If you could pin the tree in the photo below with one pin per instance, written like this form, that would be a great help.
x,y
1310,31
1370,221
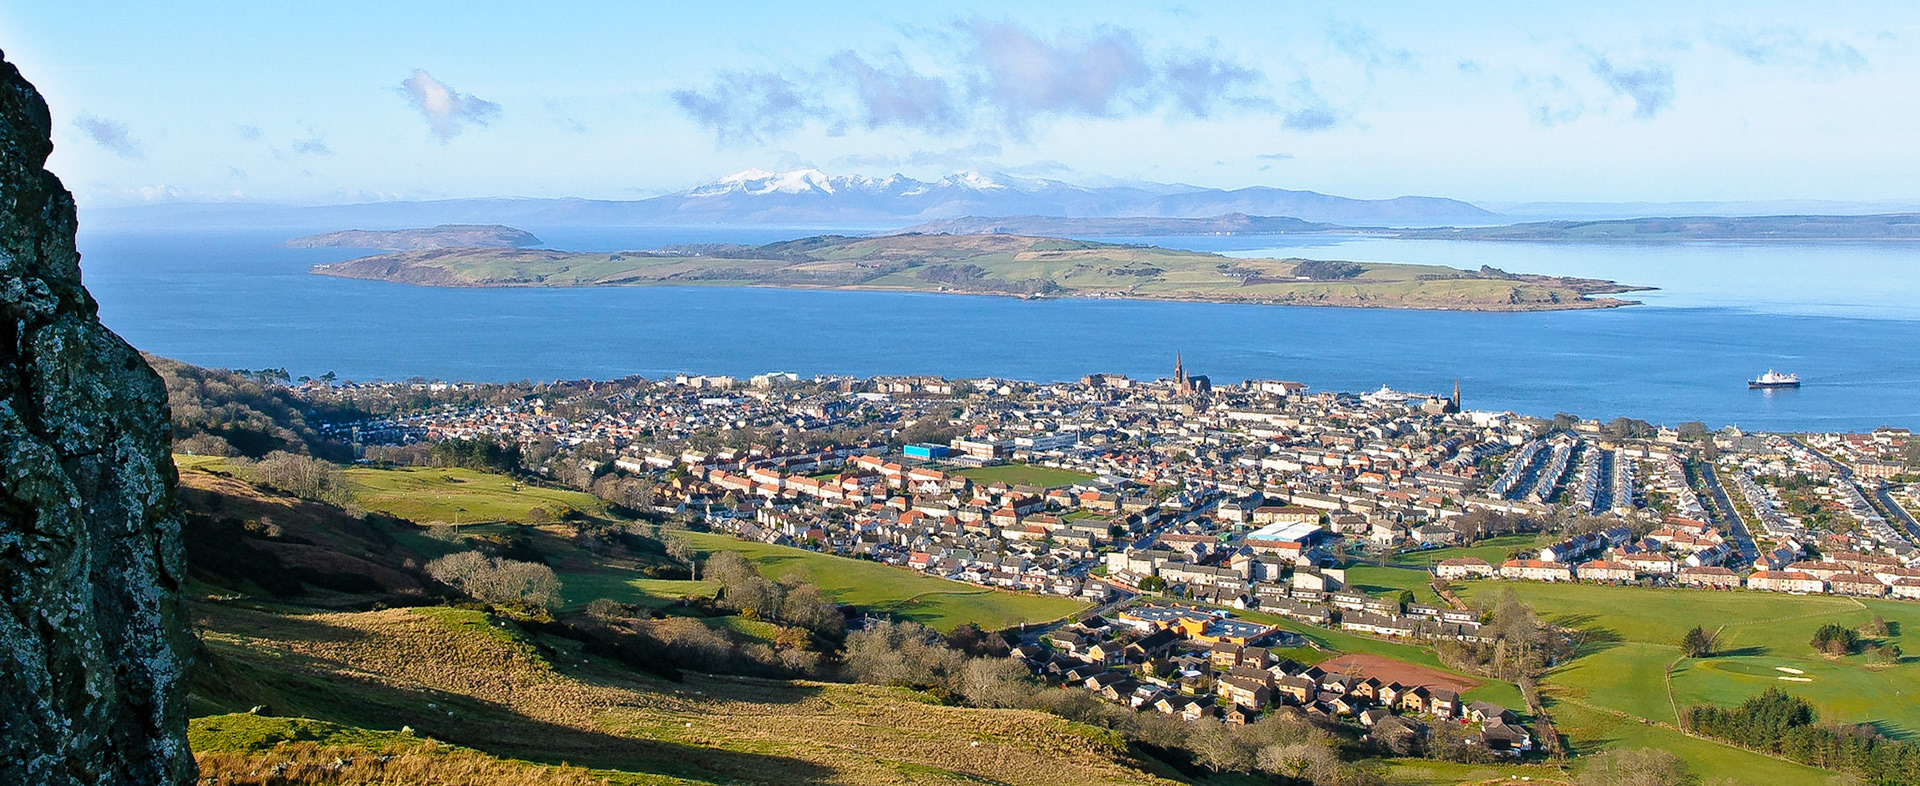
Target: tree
x,y
1153,584
1835,640
1636,767
1888,654
1698,643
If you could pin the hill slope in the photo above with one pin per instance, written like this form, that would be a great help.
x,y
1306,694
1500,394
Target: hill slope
x,y
462,677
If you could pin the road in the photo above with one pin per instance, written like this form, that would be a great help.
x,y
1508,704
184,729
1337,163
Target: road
x,y
1749,552
1900,514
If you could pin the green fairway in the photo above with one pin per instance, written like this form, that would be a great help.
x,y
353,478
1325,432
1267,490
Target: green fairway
x,y
426,495
1620,680
1592,731
1025,475
896,591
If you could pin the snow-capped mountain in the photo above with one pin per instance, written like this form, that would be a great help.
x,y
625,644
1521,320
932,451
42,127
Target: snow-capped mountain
x,y
812,198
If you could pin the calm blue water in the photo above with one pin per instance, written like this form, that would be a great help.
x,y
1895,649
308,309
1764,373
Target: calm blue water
x,y
1846,318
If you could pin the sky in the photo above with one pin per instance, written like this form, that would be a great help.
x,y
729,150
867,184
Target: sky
x,y
315,103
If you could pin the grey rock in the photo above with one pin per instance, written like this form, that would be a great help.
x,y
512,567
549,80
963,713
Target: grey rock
x,y
93,687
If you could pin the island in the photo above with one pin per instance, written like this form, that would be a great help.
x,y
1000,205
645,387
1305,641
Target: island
x,y
443,236
996,264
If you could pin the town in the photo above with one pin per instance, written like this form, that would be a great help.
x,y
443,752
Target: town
x,y
1187,512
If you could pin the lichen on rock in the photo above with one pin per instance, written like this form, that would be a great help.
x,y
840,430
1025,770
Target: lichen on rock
x,y
93,687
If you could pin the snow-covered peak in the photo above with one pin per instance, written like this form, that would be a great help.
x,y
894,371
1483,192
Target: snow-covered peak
x,y
760,181
971,180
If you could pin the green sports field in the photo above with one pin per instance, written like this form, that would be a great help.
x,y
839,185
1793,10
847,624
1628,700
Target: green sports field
x,y
1025,475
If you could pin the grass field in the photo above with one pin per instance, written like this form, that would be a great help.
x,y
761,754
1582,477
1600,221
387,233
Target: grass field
x,y
1493,550
1619,683
447,495
1390,581
896,591
1025,475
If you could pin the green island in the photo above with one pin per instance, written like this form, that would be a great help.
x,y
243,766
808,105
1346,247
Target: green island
x,y
995,264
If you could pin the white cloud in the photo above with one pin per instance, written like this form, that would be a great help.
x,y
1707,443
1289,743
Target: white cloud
x,y
446,110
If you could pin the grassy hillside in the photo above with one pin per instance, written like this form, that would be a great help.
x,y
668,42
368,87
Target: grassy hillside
x,y
454,495
460,677
996,265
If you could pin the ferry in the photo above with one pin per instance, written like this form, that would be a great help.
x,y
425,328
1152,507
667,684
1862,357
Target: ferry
x,y
1774,379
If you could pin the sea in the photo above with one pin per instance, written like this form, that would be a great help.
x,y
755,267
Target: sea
x,y
1844,316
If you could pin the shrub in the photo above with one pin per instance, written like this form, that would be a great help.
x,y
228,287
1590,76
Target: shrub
x,y
498,581
1636,767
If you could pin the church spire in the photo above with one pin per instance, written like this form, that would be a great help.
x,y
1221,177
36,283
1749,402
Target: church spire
x,y
1179,373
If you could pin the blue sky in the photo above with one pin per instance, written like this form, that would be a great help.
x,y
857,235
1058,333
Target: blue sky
x,y
1623,101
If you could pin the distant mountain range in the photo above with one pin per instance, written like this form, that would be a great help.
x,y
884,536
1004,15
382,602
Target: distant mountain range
x,y
810,198
1886,227
1053,226
1897,226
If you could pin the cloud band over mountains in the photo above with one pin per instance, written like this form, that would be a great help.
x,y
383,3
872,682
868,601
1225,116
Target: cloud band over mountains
x,y
1005,79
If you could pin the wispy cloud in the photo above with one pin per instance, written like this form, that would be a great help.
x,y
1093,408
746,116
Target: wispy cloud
x,y
1790,49
1308,110
746,106
1275,156
1550,101
1360,45
1650,85
311,146
963,157
446,110
110,134
1201,82
896,95
1024,75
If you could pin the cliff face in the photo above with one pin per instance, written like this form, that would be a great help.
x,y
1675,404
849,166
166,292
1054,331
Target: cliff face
x,y
92,688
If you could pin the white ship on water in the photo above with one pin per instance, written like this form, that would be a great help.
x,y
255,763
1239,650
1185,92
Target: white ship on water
x,y
1774,379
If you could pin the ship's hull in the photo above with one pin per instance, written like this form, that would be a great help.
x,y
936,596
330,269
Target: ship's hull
x,y
1758,385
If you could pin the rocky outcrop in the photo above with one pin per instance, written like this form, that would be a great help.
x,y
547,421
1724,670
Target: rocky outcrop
x,y
92,690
